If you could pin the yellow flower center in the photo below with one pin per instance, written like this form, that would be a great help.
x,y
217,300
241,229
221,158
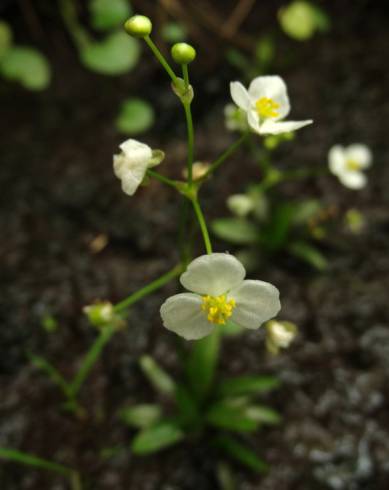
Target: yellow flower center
x,y
353,165
217,308
266,107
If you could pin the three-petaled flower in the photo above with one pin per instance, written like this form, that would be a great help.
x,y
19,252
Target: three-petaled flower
x,y
131,165
266,103
348,163
219,293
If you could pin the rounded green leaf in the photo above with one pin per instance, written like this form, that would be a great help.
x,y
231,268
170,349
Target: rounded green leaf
x,y
107,14
235,230
5,38
27,66
115,55
135,116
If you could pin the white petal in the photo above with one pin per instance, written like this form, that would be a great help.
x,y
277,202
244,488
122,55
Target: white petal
x,y
256,302
132,179
270,127
119,163
337,159
360,154
353,180
253,120
274,88
183,315
240,95
213,274
136,152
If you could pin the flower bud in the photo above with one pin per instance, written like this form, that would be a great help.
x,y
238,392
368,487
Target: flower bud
x,y
240,204
100,314
183,53
138,26
279,335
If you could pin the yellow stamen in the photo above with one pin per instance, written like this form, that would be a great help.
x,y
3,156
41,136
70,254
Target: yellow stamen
x,y
217,308
353,165
266,107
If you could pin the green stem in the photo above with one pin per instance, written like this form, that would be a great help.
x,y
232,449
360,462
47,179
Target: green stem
x,y
162,178
228,152
157,53
189,125
78,33
90,360
203,225
262,157
141,293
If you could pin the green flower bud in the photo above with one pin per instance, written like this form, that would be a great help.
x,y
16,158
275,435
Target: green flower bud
x,y
138,26
102,314
183,53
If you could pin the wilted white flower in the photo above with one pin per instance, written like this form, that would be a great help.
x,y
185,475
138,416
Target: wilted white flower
x,y
199,169
279,335
240,204
235,118
219,293
266,103
131,164
348,163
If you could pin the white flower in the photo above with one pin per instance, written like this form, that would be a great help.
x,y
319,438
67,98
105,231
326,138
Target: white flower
x,y
266,103
131,164
219,293
348,162
279,335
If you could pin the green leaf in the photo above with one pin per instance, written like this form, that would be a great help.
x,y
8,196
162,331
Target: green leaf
x,y
241,453
201,365
141,416
226,416
157,377
27,66
5,38
156,438
136,116
305,210
247,385
276,233
187,405
34,461
173,32
235,230
107,14
118,53
309,254
263,415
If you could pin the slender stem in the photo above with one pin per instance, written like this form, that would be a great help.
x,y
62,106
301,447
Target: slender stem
x,y
31,460
189,125
162,178
90,359
161,58
69,14
262,156
141,293
230,150
203,225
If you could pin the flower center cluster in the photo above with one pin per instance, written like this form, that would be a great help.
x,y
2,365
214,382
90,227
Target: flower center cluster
x,y
353,165
266,107
217,308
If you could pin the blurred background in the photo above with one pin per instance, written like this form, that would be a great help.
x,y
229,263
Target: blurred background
x,y
73,86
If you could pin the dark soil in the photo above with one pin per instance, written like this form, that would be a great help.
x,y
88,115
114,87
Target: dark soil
x,y
58,193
